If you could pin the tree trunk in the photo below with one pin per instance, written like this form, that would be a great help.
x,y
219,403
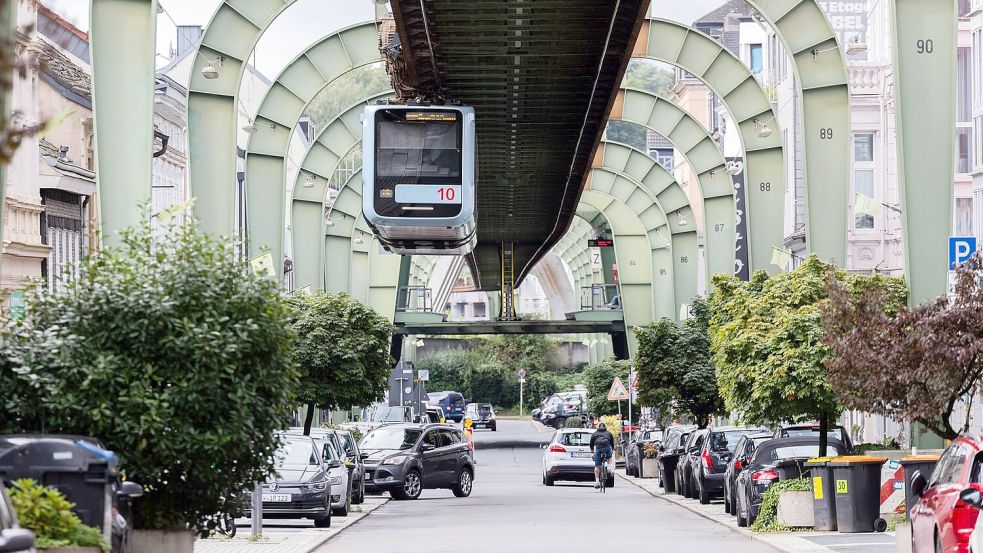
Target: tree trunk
x,y
823,433
309,419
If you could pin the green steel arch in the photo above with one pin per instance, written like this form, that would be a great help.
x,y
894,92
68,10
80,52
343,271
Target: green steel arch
x,y
278,115
229,39
692,139
320,161
742,95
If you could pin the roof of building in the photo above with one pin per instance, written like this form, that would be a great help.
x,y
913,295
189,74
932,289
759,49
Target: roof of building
x,y
64,71
733,6
654,140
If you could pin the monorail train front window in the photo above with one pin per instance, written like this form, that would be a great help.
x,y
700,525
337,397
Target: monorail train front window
x,y
418,163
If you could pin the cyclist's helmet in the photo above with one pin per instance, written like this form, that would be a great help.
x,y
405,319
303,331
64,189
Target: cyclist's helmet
x,y
601,427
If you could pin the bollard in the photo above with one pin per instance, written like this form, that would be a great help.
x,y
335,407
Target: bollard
x,y
257,499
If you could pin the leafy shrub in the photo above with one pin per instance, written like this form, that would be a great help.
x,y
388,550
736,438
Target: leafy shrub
x,y
47,513
767,520
173,354
573,422
613,426
650,450
599,377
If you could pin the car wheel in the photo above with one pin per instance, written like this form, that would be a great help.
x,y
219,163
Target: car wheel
x,y
733,504
465,481
609,483
704,495
494,427
558,423
412,487
360,498
547,480
726,501
322,522
741,519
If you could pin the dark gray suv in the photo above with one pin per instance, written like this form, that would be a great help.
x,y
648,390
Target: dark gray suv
x,y
403,459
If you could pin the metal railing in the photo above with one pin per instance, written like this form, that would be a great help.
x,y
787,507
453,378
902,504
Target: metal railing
x,y
598,297
414,299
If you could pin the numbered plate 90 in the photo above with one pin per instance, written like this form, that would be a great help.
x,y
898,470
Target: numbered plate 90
x,y
428,194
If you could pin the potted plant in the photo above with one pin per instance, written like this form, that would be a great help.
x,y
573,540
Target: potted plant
x,y
57,529
650,463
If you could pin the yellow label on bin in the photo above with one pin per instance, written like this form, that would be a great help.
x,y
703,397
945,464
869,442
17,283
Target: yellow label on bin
x,y
817,487
841,486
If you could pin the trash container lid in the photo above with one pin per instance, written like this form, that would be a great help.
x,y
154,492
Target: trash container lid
x,y
818,461
847,460
920,458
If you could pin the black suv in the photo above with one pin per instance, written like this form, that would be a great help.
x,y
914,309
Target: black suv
x,y
403,459
685,485
709,466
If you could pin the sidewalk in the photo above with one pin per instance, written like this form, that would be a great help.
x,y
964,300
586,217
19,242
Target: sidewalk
x,y
288,540
788,542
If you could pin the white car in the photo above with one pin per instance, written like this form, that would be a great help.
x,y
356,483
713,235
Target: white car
x,y
331,449
568,457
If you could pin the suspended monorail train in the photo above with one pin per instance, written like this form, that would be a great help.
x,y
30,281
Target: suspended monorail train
x,y
418,177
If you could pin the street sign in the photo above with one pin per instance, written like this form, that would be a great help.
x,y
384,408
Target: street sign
x,y
595,259
262,264
618,391
961,248
522,373
600,243
634,382
17,305
423,375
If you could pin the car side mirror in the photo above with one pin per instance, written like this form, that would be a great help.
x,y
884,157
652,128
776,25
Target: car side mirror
x,y
16,539
334,463
918,483
363,456
426,447
972,497
129,490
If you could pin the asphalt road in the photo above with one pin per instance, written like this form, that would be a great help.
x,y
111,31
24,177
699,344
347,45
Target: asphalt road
x,y
511,510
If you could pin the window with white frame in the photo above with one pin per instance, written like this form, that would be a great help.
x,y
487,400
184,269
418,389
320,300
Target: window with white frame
x,y
756,55
863,178
964,217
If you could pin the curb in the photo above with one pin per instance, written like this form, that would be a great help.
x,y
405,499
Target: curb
x,y
364,514
785,543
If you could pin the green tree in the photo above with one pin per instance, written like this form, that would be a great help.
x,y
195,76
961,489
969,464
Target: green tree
x,y
649,75
342,350
767,339
599,377
675,368
173,354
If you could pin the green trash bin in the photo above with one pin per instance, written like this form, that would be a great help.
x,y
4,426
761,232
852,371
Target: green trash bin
x,y
857,483
912,464
823,500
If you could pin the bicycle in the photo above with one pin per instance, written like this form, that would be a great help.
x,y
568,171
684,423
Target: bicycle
x,y
603,474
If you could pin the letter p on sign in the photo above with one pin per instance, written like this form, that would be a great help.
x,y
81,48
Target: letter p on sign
x,y
961,248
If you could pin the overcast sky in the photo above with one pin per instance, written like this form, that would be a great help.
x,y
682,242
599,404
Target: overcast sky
x,y
304,22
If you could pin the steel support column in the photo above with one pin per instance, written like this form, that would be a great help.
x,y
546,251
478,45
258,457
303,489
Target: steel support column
x,y
122,35
924,34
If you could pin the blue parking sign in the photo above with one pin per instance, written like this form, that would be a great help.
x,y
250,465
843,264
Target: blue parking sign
x,y
961,248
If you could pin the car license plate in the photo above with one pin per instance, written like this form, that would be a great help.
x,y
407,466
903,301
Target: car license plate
x,y
276,498
580,454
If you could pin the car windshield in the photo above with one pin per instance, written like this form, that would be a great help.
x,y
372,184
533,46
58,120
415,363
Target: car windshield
x,y
794,432
349,443
574,438
331,451
721,442
789,451
296,453
484,409
391,438
386,413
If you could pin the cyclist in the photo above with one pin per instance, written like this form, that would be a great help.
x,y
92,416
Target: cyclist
x,y
602,445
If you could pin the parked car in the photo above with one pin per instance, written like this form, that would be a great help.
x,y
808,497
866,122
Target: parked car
x,y
974,498
690,456
568,457
353,460
941,520
709,466
434,415
331,449
812,428
13,538
569,405
634,450
774,460
742,455
451,402
405,459
482,415
673,444
302,487
376,415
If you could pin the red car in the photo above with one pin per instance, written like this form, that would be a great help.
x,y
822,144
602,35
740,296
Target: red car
x,y
940,521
